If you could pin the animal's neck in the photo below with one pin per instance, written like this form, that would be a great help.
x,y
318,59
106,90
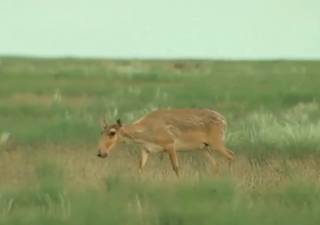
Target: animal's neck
x,y
128,130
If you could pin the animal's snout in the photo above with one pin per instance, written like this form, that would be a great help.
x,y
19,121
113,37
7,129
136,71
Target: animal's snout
x,y
104,155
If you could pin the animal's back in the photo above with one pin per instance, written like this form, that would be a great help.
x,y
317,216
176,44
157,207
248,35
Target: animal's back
x,y
185,119
187,128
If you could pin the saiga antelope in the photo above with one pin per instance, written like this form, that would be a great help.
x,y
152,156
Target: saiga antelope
x,y
170,130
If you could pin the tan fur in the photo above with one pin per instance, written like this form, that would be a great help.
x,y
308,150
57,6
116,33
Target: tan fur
x,y
172,130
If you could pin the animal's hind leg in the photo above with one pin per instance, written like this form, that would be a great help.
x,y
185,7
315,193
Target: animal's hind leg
x,y
230,153
143,159
213,162
219,147
226,153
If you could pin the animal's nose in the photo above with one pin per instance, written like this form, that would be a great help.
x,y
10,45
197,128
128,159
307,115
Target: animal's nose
x,y
104,155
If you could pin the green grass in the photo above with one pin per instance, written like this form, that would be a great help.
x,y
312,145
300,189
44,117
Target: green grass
x,y
50,111
270,106
123,200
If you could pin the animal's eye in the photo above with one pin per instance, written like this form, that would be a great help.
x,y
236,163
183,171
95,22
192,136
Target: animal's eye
x,y
112,133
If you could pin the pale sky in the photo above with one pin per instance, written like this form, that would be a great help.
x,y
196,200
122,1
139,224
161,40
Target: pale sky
x,y
237,29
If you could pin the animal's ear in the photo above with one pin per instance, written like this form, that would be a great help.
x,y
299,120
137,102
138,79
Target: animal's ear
x,y
104,123
119,122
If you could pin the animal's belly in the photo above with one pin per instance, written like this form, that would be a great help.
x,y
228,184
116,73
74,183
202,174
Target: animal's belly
x,y
179,145
152,148
185,145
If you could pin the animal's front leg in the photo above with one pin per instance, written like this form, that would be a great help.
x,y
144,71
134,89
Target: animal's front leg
x,y
143,159
173,158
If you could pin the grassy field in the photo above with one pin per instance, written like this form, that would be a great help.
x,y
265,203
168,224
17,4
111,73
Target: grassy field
x,y
50,111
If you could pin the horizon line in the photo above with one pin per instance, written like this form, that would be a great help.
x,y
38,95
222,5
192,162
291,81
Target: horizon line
x,y
155,58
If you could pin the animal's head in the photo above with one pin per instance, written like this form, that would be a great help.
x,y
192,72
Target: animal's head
x,y
109,138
